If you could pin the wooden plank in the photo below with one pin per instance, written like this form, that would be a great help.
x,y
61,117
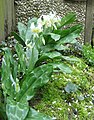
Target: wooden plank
x,y
1,20
9,13
7,17
13,16
89,21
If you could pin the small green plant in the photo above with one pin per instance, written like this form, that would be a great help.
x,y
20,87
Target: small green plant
x,y
36,56
88,54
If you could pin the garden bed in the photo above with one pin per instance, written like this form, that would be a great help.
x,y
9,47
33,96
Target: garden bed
x,y
53,99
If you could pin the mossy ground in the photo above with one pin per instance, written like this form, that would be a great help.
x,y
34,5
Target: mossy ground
x,y
54,101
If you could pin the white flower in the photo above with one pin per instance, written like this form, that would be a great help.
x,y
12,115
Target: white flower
x,y
36,29
54,18
49,20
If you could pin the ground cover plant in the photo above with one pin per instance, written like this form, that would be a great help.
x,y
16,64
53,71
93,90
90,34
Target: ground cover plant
x,y
88,54
68,96
37,54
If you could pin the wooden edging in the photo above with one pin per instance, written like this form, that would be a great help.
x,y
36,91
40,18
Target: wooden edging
x,y
89,21
7,17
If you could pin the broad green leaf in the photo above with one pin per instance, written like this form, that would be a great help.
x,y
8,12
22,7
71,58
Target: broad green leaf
x,y
73,33
32,57
47,48
55,37
69,18
22,30
37,78
71,38
61,47
34,115
70,87
18,38
21,57
50,55
2,112
31,20
62,67
9,73
28,36
70,58
74,29
53,54
16,110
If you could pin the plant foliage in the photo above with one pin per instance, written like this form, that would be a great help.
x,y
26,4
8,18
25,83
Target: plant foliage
x,y
36,56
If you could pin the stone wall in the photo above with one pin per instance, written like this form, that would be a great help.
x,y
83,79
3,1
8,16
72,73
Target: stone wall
x,y
26,9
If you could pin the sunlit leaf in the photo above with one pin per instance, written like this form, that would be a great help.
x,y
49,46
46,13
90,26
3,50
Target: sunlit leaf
x,y
37,78
34,115
16,110
62,67
22,30
56,37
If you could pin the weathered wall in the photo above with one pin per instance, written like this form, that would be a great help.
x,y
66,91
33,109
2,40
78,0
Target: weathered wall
x,y
26,9
1,20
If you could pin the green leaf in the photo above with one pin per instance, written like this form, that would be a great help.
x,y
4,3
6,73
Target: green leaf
x,y
32,57
21,56
69,18
70,58
47,48
61,47
32,20
18,38
9,73
62,67
71,38
28,36
70,87
34,115
16,110
53,54
37,78
50,55
74,29
22,30
55,37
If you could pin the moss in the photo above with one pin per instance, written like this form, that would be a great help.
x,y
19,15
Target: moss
x,y
56,102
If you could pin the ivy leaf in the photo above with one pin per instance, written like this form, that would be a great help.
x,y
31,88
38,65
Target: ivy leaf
x,y
70,87
80,97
